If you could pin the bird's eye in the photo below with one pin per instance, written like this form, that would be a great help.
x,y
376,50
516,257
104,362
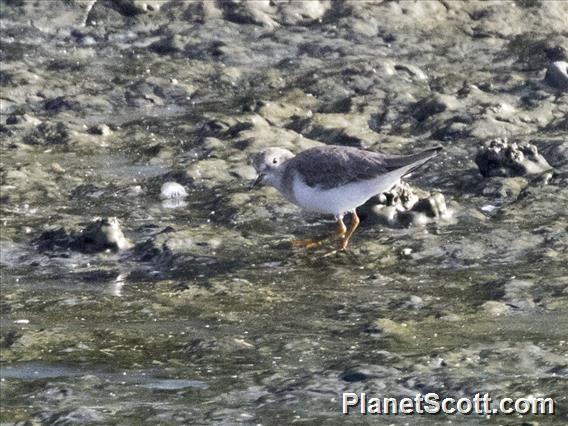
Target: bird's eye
x,y
274,161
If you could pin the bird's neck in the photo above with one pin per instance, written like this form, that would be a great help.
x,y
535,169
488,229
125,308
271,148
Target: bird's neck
x,y
276,178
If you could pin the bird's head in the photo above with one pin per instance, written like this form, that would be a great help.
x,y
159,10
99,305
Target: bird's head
x,y
268,164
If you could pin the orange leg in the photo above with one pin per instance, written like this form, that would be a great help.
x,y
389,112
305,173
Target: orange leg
x,y
354,224
345,233
310,244
342,228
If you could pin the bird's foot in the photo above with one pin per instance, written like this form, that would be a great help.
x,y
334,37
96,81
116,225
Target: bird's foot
x,y
307,244
342,247
331,253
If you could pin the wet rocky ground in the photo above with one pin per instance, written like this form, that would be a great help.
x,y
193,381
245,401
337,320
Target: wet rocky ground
x,y
142,281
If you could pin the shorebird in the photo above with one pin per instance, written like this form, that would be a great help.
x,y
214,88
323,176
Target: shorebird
x,y
334,180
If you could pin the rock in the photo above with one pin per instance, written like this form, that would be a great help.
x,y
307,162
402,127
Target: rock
x,y
23,120
105,233
434,105
496,308
557,75
352,376
142,93
196,11
130,8
72,416
281,113
134,191
518,294
53,239
168,45
258,12
59,104
210,172
488,125
12,119
504,188
171,190
100,130
453,130
198,247
57,168
302,13
48,134
504,296
498,157
372,374
211,144
556,152
148,5
173,195
100,235
425,210
414,302
388,327
415,72
405,206
334,129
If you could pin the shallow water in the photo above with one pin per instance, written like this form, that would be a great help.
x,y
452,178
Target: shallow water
x,y
212,317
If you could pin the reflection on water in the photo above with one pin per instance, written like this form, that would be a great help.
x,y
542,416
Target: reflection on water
x,y
146,379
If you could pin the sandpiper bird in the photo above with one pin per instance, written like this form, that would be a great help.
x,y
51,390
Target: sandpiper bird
x,y
334,180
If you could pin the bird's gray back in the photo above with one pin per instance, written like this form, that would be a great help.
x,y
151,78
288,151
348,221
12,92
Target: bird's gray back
x,y
331,166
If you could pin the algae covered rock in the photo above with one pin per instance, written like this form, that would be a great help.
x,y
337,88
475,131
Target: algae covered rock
x,y
48,134
557,75
498,157
406,206
98,236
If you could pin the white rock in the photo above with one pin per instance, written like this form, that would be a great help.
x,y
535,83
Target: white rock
x,y
488,208
171,190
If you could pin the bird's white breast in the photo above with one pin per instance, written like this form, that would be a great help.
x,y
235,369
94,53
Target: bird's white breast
x,y
337,201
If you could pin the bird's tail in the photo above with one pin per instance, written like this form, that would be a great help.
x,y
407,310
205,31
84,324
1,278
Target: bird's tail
x,y
408,163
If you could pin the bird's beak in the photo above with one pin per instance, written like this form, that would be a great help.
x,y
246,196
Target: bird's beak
x,y
258,180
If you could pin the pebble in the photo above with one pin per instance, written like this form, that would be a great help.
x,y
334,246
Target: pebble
x,y
172,190
488,208
57,168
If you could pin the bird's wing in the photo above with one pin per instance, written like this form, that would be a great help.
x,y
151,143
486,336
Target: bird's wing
x,y
331,166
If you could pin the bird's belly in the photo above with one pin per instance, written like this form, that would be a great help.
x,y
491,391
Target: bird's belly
x,y
338,201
